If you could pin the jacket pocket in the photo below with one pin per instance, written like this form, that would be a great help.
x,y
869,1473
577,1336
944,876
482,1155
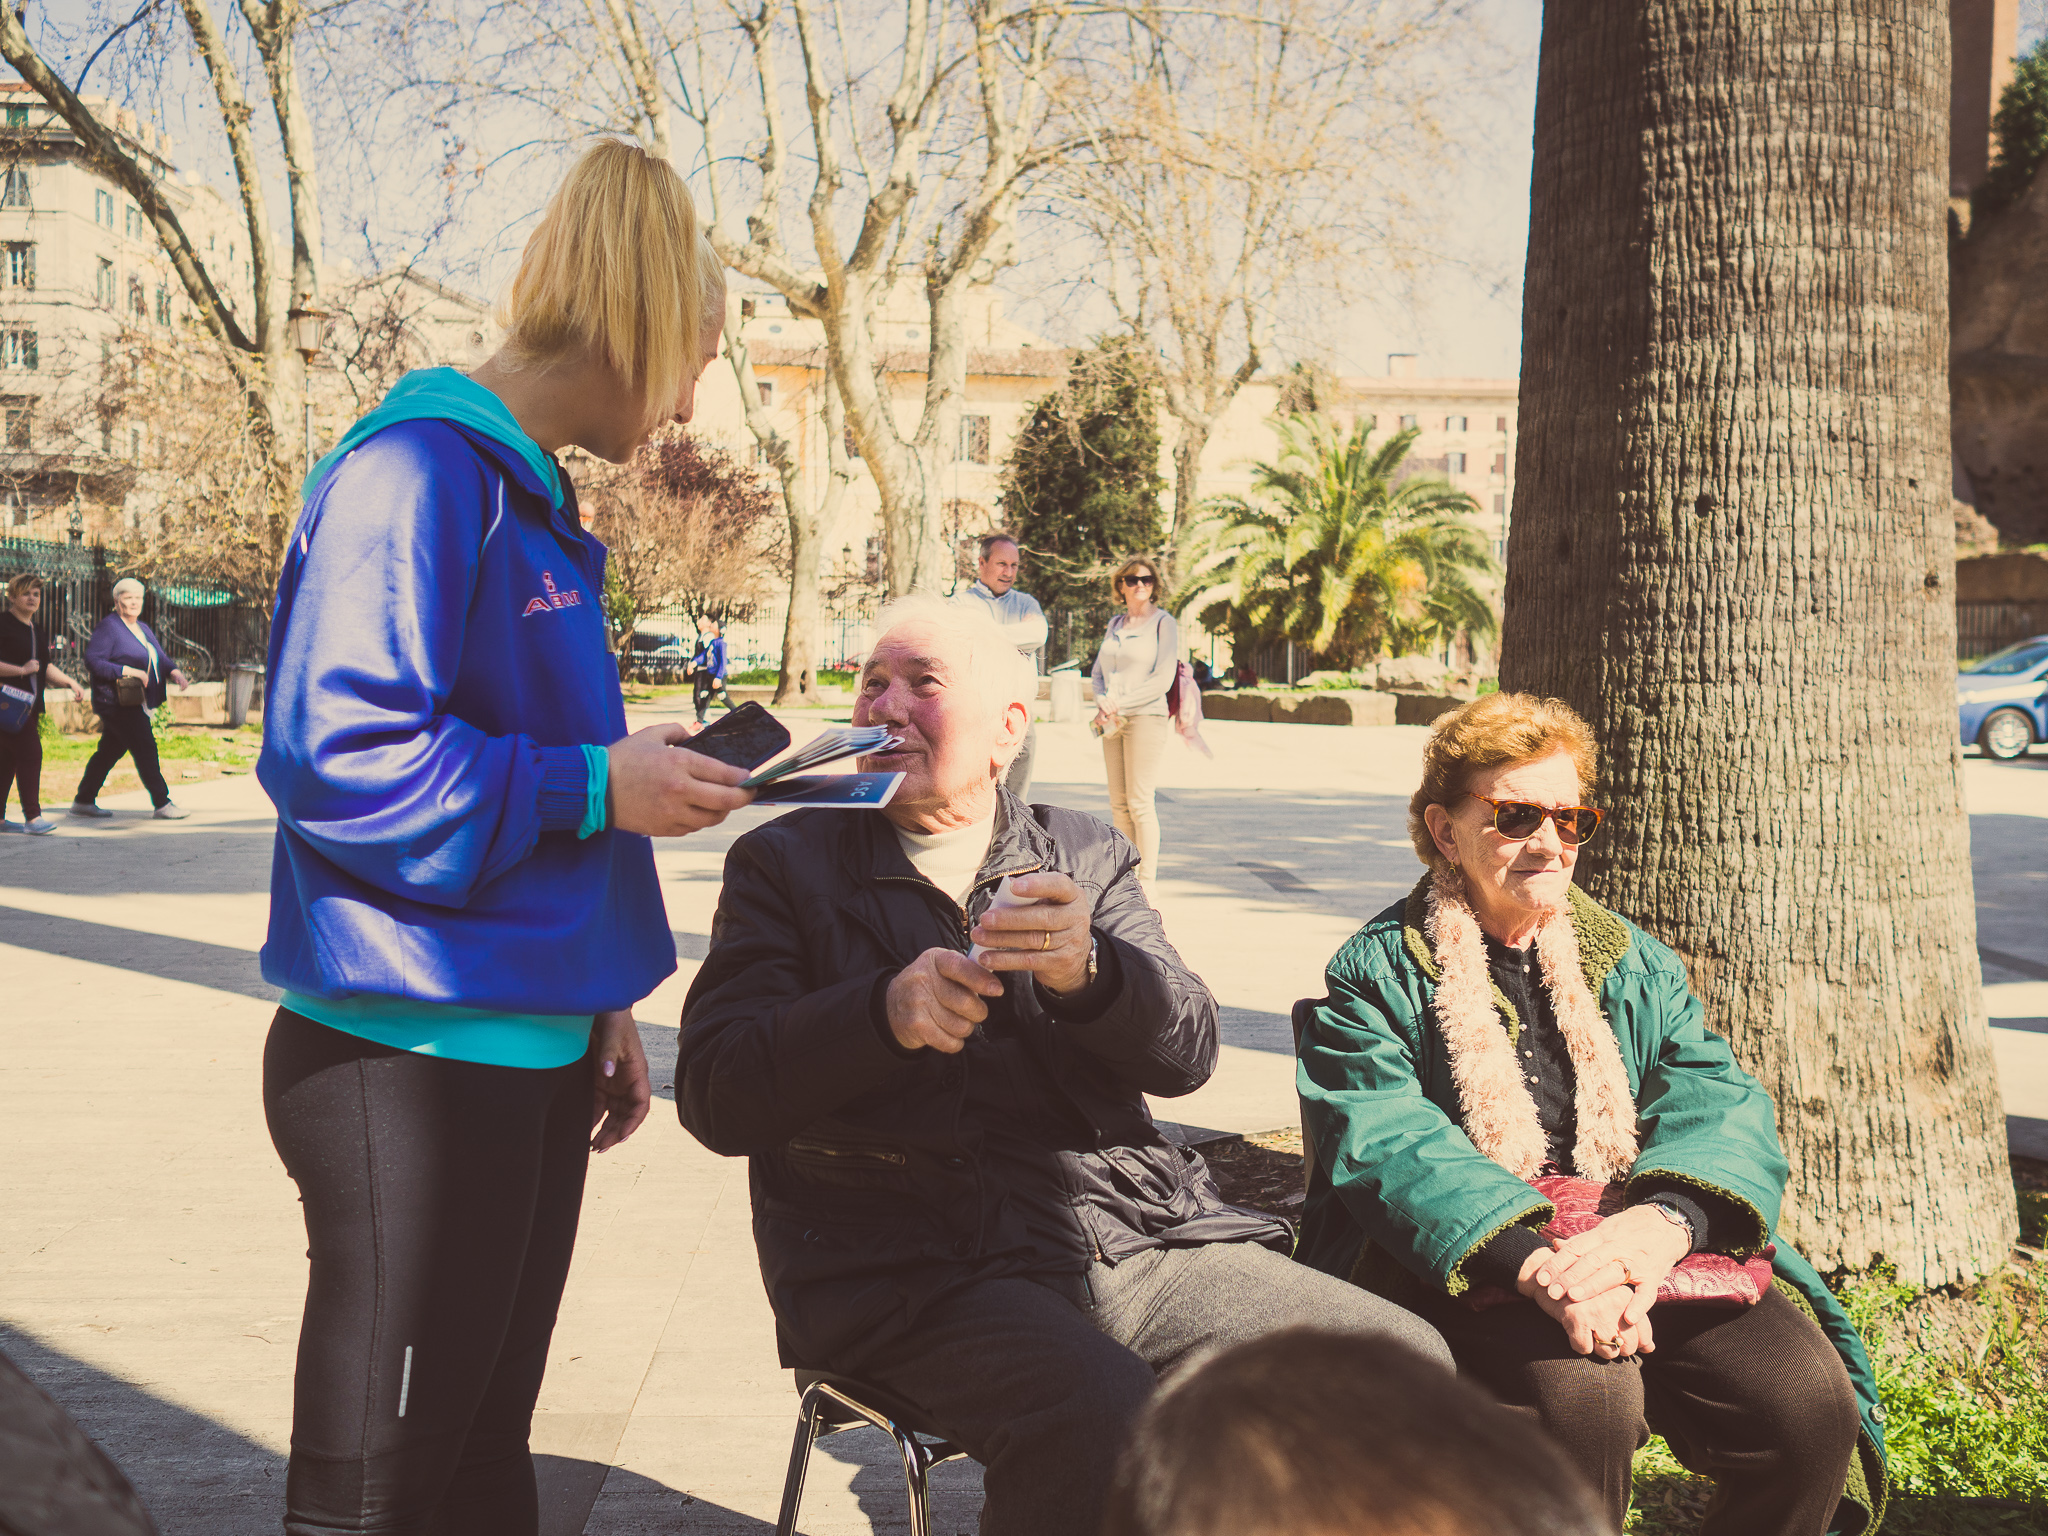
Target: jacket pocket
x,y
842,1164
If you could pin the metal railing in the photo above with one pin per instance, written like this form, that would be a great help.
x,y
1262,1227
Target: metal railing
x,y
1982,628
205,629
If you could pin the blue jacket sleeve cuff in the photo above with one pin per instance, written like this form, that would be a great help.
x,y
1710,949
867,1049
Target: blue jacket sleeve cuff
x,y
564,788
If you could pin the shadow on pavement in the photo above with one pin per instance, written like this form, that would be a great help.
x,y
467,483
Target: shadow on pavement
x,y
196,1477
219,966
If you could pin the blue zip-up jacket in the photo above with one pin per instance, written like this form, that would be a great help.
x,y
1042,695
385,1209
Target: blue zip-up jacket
x,y
710,657
437,661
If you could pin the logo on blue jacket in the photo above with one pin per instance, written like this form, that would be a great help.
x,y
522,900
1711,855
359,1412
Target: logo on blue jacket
x,y
554,599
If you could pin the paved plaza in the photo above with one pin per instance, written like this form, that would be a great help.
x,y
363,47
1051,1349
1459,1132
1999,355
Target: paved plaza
x,y
151,1253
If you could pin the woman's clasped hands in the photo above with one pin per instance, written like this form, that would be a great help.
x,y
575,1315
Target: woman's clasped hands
x,y
1601,1284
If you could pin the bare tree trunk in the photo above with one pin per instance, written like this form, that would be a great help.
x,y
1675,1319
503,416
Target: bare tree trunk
x,y
1733,553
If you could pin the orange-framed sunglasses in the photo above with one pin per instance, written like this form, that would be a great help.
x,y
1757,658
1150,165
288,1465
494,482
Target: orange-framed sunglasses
x,y
1517,820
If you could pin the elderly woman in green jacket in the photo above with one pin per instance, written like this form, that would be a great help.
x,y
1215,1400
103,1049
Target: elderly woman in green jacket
x,y
1498,1027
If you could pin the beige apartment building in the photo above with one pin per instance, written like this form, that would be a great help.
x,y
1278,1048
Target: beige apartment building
x,y
82,267
1466,426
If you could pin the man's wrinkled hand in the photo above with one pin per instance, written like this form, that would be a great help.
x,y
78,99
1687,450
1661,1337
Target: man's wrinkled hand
x,y
936,1001
1050,938
659,787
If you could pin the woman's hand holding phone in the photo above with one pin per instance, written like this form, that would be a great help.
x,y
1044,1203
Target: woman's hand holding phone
x,y
662,792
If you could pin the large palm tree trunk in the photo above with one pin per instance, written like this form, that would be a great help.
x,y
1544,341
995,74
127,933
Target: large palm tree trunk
x,y
1732,551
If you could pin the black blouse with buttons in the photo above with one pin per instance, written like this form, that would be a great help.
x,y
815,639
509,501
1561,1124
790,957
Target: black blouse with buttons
x,y
1546,1063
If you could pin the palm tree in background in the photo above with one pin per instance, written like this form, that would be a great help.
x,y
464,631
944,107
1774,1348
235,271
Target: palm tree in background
x,y
1339,553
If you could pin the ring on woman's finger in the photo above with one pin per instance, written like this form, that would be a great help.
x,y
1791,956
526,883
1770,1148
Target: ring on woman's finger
x,y
1045,939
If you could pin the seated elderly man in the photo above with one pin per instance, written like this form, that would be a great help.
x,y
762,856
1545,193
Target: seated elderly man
x,y
958,1193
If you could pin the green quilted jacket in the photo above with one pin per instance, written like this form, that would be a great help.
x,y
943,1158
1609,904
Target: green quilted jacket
x,y
1399,1198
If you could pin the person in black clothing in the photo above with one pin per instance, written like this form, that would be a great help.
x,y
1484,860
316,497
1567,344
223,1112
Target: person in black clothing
x,y
24,663
125,651
958,1193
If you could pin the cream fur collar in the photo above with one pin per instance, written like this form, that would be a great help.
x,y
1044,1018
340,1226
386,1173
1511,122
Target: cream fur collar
x,y
1499,1111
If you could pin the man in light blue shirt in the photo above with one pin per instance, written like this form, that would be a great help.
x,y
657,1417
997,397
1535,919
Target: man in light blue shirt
x,y
1023,622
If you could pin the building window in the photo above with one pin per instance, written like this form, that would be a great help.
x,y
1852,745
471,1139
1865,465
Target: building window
x,y
767,388
1500,507
17,117
1454,463
163,304
103,284
103,207
1500,463
18,349
138,297
1407,423
21,266
135,445
20,412
16,193
852,448
1500,423
974,439
107,438
17,514
1454,423
132,220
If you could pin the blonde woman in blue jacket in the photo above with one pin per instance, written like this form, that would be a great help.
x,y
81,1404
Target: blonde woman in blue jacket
x,y
464,906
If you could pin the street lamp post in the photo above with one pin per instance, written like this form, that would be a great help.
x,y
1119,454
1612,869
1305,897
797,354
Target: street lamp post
x,y
309,325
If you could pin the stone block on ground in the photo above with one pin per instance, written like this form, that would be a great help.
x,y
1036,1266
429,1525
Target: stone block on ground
x,y
1412,674
1423,708
201,704
1336,706
1237,706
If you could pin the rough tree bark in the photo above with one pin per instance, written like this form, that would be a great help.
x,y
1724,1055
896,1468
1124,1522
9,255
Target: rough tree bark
x,y
1732,552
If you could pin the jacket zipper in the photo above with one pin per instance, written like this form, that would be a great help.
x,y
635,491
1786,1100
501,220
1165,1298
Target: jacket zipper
x,y
848,1154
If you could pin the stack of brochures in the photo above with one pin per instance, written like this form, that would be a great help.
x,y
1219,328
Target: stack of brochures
x,y
787,783
826,747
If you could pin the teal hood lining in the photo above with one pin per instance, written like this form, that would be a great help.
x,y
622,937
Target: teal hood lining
x,y
447,394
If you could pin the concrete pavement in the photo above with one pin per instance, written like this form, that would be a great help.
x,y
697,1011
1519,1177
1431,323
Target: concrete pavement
x,y
153,1256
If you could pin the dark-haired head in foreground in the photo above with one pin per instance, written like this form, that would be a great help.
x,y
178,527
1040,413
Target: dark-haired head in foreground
x,y
1309,1433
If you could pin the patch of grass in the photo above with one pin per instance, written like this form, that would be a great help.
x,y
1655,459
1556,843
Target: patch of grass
x,y
766,677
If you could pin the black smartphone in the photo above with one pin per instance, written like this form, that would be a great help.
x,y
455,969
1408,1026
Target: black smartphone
x,y
745,737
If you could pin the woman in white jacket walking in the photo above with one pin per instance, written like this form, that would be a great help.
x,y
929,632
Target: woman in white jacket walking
x,y
1133,671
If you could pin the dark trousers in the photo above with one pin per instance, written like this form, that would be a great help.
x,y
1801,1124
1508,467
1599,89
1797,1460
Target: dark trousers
x,y
441,1200
703,689
126,730
1040,1382
1755,1398
21,765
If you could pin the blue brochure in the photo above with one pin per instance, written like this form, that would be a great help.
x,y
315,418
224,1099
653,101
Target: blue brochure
x,y
871,790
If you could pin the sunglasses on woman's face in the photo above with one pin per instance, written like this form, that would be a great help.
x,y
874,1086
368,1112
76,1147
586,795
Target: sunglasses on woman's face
x,y
1517,820
1138,581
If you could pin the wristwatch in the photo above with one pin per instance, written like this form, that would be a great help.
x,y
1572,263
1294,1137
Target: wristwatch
x,y
1676,1217
1094,954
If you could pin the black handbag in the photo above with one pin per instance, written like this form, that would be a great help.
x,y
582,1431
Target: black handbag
x,y
129,690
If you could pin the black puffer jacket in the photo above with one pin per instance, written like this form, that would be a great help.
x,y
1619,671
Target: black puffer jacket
x,y
884,1178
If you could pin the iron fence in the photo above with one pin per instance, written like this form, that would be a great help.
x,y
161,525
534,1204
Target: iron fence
x,y
205,629
1982,628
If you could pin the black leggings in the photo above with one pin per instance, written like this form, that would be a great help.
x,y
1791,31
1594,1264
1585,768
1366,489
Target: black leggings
x,y
441,1200
127,729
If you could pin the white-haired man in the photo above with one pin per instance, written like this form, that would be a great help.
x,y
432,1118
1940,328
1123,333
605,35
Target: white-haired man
x,y
995,593
959,1195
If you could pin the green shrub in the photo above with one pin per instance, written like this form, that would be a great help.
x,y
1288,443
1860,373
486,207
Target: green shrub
x,y
2020,131
1960,1421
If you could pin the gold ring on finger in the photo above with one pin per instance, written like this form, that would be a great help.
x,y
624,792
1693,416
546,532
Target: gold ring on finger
x,y
1045,938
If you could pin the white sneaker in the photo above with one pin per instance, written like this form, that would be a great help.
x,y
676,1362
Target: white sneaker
x,y
11,826
90,811
40,826
169,811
